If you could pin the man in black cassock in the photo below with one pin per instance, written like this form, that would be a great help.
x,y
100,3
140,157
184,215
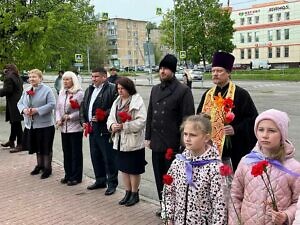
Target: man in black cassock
x,y
240,130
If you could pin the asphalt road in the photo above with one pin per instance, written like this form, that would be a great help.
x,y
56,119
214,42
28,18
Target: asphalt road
x,y
284,96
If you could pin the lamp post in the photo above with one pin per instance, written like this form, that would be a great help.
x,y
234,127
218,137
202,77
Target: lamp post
x,y
148,27
174,27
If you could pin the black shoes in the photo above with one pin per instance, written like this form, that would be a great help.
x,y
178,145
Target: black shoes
x,y
63,181
134,198
73,182
46,173
36,170
17,149
158,213
110,191
96,186
126,198
10,144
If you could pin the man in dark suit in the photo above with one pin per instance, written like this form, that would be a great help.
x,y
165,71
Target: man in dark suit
x,y
170,102
94,110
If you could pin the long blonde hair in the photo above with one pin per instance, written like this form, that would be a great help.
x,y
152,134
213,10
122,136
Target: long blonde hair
x,y
76,84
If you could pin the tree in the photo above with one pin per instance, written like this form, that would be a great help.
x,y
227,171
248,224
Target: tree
x,y
98,50
44,33
202,27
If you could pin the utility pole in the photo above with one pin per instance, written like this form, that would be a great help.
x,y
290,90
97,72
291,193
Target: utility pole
x,y
148,27
88,58
174,27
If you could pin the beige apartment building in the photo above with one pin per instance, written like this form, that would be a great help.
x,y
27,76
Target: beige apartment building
x,y
268,31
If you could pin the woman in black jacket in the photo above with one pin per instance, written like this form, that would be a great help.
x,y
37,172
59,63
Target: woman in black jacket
x,y
12,90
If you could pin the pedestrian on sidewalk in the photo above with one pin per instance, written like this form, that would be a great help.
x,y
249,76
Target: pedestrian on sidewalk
x,y
37,104
12,90
57,83
195,196
113,75
68,121
170,102
127,121
95,108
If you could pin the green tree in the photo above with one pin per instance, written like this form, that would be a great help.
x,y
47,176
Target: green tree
x,y
202,27
44,33
98,50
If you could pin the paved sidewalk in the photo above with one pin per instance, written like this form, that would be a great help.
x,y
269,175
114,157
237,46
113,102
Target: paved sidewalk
x,y
26,199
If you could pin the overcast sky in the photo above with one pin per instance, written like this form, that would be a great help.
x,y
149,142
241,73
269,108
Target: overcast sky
x,y
145,9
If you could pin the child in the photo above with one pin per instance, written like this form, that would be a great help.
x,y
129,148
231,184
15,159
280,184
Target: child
x,y
195,196
249,193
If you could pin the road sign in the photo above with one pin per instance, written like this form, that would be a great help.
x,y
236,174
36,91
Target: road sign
x,y
182,54
78,64
104,16
158,11
78,58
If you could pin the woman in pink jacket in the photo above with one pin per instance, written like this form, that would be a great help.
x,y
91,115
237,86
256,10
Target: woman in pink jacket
x,y
250,196
67,119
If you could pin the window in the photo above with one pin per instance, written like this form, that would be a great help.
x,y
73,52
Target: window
x,y
242,38
129,34
111,32
249,37
129,43
286,34
286,51
256,19
249,19
287,15
242,53
278,52
242,21
257,53
270,53
129,52
270,35
256,36
278,35
136,62
278,16
130,62
249,53
270,17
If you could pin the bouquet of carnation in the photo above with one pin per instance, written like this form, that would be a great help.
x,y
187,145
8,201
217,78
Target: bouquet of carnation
x,y
100,114
124,116
73,103
259,169
88,129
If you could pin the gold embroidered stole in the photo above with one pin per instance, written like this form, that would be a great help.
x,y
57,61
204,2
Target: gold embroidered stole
x,y
217,115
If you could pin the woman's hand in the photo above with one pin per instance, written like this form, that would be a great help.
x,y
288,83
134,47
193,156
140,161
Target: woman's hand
x,y
59,123
279,218
66,117
116,127
33,111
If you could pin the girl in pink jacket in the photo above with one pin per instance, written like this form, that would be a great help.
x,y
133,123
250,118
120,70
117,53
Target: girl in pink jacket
x,y
250,196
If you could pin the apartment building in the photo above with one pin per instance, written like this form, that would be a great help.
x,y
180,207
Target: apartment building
x,y
268,31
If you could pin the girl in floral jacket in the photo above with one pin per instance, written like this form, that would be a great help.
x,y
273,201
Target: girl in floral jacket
x,y
251,198
195,195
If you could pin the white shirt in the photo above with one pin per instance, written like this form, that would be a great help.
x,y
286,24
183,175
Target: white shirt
x,y
93,98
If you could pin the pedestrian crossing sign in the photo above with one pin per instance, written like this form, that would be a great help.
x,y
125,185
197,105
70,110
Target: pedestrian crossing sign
x,y
78,58
182,54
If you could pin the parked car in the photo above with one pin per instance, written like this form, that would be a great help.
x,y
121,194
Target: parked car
x,y
24,76
197,74
260,64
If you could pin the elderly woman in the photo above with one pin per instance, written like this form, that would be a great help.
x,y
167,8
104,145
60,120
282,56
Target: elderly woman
x,y
67,118
126,121
36,104
12,90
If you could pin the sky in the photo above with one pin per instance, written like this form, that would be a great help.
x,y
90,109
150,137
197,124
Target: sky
x,y
145,9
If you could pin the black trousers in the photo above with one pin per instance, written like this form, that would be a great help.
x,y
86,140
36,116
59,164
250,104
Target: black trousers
x,y
103,159
73,160
160,168
16,132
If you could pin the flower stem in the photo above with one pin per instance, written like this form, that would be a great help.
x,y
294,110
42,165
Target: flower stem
x,y
274,205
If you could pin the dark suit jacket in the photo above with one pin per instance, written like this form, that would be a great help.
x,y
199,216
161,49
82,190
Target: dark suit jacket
x,y
168,106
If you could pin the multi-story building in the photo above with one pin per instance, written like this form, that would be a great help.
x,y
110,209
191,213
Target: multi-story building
x,y
268,31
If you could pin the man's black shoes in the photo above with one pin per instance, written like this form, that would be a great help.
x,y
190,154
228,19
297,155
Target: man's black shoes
x,y
96,186
110,191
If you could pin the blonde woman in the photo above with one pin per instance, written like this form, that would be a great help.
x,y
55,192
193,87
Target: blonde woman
x,y
67,119
36,104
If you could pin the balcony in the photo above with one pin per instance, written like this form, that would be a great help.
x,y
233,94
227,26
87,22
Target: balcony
x,y
115,56
112,37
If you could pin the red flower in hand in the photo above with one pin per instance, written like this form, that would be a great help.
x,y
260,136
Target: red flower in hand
x,y
30,92
169,154
88,129
74,104
229,117
124,116
259,168
100,114
228,104
225,170
167,179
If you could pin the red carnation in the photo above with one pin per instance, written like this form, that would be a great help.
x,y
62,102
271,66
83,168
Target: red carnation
x,y
228,104
30,92
229,117
225,170
259,168
100,114
167,179
169,154
74,104
88,129
124,116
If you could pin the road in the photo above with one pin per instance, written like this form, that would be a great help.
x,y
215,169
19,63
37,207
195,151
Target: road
x,y
284,96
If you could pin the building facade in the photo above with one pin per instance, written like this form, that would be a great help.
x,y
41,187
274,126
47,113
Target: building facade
x,y
269,31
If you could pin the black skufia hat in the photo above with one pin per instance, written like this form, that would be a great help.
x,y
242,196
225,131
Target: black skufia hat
x,y
223,59
170,62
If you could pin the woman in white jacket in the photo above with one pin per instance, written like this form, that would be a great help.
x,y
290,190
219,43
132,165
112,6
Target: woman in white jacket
x,y
126,121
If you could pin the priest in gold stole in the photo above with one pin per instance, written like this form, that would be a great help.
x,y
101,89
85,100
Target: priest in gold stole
x,y
236,138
